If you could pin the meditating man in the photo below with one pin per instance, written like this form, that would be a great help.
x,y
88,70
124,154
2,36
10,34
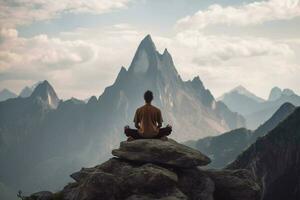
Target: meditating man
x,y
148,121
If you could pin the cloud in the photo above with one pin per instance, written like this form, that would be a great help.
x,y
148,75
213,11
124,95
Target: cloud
x,y
249,14
213,49
82,62
22,12
41,52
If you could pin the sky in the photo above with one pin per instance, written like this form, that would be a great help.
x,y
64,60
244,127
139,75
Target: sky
x,y
79,46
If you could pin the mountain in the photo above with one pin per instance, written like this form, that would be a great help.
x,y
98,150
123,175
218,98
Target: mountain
x,y
241,100
43,139
274,160
242,91
268,108
27,91
224,148
188,105
282,113
45,92
276,93
6,94
256,110
138,172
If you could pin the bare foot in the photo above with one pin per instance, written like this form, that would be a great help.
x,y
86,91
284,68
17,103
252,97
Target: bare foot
x,y
129,139
164,138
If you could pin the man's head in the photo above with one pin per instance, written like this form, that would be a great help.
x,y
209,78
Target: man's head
x,y
148,96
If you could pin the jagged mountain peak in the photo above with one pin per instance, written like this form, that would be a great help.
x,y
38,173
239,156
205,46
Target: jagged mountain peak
x,y
25,92
277,92
197,83
148,44
197,79
241,90
288,92
148,62
145,58
46,93
122,72
6,94
166,52
92,100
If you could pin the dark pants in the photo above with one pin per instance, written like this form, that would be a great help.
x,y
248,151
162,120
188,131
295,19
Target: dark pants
x,y
129,132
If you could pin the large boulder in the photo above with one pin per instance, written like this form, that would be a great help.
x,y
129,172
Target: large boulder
x,y
197,184
43,195
161,152
155,169
234,185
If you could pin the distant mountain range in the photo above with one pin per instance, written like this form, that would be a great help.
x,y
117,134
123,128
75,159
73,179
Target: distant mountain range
x,y
255,109
225,148
6,94
43,137
275,160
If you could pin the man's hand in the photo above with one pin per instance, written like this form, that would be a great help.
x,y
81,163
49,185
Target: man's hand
x,y
159,125
137,125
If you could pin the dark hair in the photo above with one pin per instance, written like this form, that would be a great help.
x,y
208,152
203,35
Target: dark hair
x,y
148,96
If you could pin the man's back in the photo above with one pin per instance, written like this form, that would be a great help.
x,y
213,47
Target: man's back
x,y
149,119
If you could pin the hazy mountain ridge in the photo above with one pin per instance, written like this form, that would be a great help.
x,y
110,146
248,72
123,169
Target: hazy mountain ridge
x,y
6,94
274,160
224,148
256,110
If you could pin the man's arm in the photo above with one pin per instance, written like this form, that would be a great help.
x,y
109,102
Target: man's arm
x,y
159,119
136,120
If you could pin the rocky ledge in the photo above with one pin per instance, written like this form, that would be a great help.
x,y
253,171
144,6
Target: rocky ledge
x,y
156,169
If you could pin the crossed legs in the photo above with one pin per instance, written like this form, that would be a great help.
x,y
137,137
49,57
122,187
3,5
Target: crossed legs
x,y
133,133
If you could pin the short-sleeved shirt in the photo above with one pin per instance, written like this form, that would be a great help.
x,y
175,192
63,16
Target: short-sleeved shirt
x,y
148,117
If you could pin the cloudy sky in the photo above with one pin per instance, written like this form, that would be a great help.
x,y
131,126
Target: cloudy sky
x,y
80,45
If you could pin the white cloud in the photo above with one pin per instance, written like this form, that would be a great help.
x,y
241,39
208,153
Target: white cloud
x,y
224,61
248,14
82,62
20,12
213,49
41,52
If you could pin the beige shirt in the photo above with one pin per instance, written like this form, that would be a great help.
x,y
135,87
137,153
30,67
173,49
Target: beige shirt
x,y
148,117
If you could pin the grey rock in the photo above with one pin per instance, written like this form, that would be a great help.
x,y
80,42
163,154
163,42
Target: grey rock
x,y
234,185
98,186
173,194
119,179
149,178
43,195
196,184
161,152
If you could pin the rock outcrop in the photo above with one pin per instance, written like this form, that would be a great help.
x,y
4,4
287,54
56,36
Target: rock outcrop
x,y
174,154
156,169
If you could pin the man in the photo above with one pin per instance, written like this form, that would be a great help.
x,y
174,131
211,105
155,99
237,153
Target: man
x,y
148,121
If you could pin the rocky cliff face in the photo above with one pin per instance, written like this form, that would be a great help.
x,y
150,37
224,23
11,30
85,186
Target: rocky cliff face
x,y
156,169
275,160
